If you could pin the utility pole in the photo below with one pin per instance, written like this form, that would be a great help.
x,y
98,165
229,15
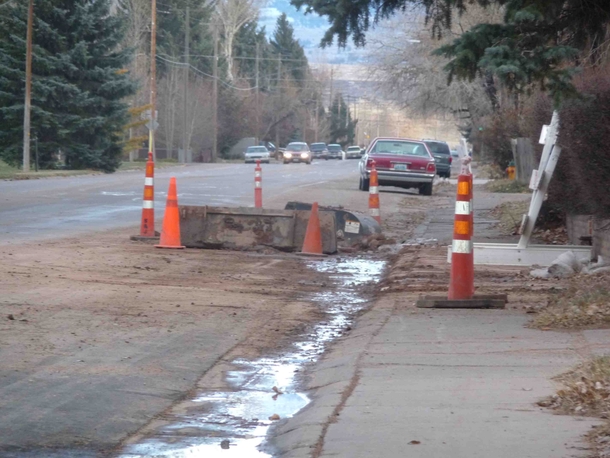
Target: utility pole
x,y
279,75
330,103
153,78
257,100
317,117
186,85
215,97
28,89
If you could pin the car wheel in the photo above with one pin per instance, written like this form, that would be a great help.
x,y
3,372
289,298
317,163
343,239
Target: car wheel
x,y
286,162
366,182
426,189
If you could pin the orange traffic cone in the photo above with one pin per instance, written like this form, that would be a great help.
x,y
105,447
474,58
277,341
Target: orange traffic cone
x,y
170,234
312,244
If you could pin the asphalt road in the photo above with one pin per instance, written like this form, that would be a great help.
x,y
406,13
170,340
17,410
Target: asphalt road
x,y
48,208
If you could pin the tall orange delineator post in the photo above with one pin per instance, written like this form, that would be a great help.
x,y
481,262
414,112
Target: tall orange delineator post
x,y
147,228
170,234
258,185
461,287
462,257
374,194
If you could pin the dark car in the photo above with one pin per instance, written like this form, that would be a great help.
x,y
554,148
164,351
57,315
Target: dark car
x,y
400,162
297,152
335,151
319,150
442,155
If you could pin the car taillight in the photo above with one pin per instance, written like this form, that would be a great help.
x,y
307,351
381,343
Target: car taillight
x,y
431,167
369,163
450,159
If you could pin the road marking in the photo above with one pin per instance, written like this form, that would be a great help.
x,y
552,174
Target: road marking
x,y
312,184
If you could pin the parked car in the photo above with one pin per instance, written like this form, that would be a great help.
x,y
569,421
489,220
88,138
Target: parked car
x,y
455,154
400,162
297,152
319,150
442,155
335,151
353,152
254,153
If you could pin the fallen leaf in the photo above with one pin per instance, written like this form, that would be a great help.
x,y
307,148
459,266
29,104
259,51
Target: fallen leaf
x,y
414,443
274,417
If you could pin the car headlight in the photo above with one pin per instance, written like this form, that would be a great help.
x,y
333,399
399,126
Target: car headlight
x,y
288,154
304,155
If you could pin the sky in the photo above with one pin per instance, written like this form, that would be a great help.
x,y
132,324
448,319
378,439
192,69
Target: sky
x,y
309,30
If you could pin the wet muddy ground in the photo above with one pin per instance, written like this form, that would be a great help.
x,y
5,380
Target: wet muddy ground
x,y
235,420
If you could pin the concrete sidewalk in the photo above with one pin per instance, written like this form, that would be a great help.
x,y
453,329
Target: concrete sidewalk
x,y
442,383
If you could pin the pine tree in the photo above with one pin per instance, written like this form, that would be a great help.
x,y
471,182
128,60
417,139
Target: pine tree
x,y
288,47
78,84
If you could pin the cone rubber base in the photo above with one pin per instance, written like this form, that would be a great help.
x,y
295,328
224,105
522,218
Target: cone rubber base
x,y
170,247
312,255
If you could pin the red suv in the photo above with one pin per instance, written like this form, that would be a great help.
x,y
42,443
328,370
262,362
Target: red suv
x,y
400,162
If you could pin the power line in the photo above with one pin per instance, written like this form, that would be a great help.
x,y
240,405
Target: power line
x,y
182,65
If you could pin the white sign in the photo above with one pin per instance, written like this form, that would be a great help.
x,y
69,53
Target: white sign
x,y
352,227
545,130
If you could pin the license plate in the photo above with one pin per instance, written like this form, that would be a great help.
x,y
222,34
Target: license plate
x,y
401,167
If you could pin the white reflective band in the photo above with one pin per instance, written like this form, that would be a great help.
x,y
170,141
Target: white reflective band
x,y
462,246
462,208
374,212
148,181
257,174
148,204
257,184
471,206
374,190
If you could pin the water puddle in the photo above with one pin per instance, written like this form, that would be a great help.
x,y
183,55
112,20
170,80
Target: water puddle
x,y
234,423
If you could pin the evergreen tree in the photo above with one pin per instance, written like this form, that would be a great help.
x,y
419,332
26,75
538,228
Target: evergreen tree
x,y
78,85
290,50
342,126
171,34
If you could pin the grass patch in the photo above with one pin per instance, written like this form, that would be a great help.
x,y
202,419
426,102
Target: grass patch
x,y
490,171
585,303
507,186
510,214
8,172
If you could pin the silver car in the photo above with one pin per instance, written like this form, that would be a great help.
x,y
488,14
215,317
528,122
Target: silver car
x,y
254,153
353,152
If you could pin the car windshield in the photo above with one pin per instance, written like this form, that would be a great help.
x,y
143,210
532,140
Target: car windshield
x,y
354,148
318,146
297,147
438,147
334,148
256,149
401,148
